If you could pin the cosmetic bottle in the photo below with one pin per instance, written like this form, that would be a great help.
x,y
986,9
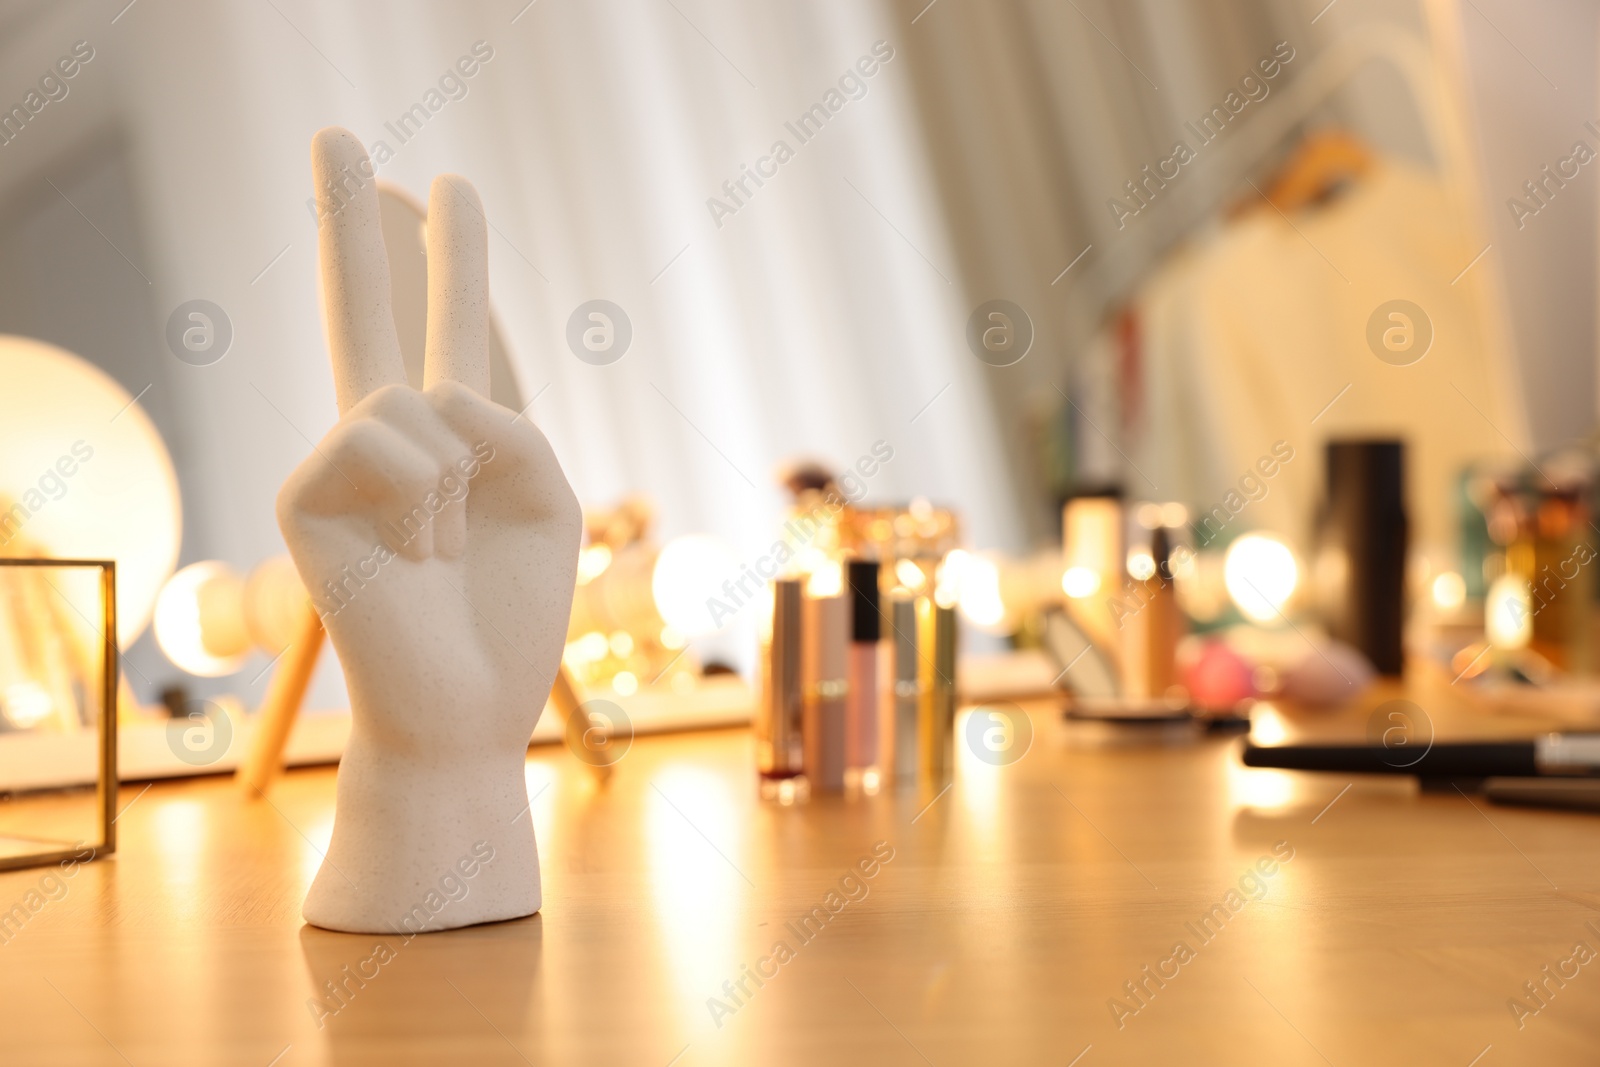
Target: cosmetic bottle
x,y
938,704
1362,548
1150,623
780,718
824,652
904,697
864,699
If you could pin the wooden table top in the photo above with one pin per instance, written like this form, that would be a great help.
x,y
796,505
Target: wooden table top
x,y
1003,923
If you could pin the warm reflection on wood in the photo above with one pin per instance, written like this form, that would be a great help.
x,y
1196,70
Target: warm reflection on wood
x,y
1005,924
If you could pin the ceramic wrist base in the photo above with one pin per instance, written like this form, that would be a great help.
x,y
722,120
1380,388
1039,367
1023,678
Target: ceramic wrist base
x,y
468,857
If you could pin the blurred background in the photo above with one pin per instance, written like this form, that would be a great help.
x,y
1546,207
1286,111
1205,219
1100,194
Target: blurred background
x,y
1188,217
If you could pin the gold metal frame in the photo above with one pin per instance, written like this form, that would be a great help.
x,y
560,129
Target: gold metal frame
x,y
106,786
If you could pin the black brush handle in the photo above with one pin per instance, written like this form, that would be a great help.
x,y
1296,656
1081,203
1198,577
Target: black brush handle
x,y
1459,759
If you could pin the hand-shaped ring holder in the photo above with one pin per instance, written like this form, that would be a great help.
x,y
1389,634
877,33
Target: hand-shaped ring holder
x,y
439,538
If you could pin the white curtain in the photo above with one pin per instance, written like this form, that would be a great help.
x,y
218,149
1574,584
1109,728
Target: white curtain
x,y
824,315
1038,114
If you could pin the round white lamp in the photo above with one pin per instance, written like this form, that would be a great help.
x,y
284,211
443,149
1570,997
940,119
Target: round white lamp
x,y
209,618
84,474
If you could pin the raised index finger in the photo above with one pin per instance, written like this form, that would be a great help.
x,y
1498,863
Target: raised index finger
x,y
355,269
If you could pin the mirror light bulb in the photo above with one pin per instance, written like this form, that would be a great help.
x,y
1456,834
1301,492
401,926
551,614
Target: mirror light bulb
x,y
1449,591
1080,582
1508,613
688,574
1261,575
182,623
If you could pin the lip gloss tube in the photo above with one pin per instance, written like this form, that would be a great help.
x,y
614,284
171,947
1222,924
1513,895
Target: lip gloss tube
x,y
824,651
866,628
781,712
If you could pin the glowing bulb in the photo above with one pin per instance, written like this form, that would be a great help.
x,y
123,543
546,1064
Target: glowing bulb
x,y
948,577
1449,591
590,647
1261,574
1141,565
1508,613
592,562
625,683
182,620
910,575
688,578
621,644
26,704
826,580
807,560
1080,582
671,639
979,593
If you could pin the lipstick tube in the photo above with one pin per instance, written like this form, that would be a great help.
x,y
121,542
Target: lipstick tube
x,y
824,652
905,696
781,712
938,704
863,700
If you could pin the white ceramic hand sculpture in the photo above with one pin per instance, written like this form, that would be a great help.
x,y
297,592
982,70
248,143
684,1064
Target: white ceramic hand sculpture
x,y
439,540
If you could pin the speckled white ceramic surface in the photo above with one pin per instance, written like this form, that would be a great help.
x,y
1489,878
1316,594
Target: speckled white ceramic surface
x,y
439,540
